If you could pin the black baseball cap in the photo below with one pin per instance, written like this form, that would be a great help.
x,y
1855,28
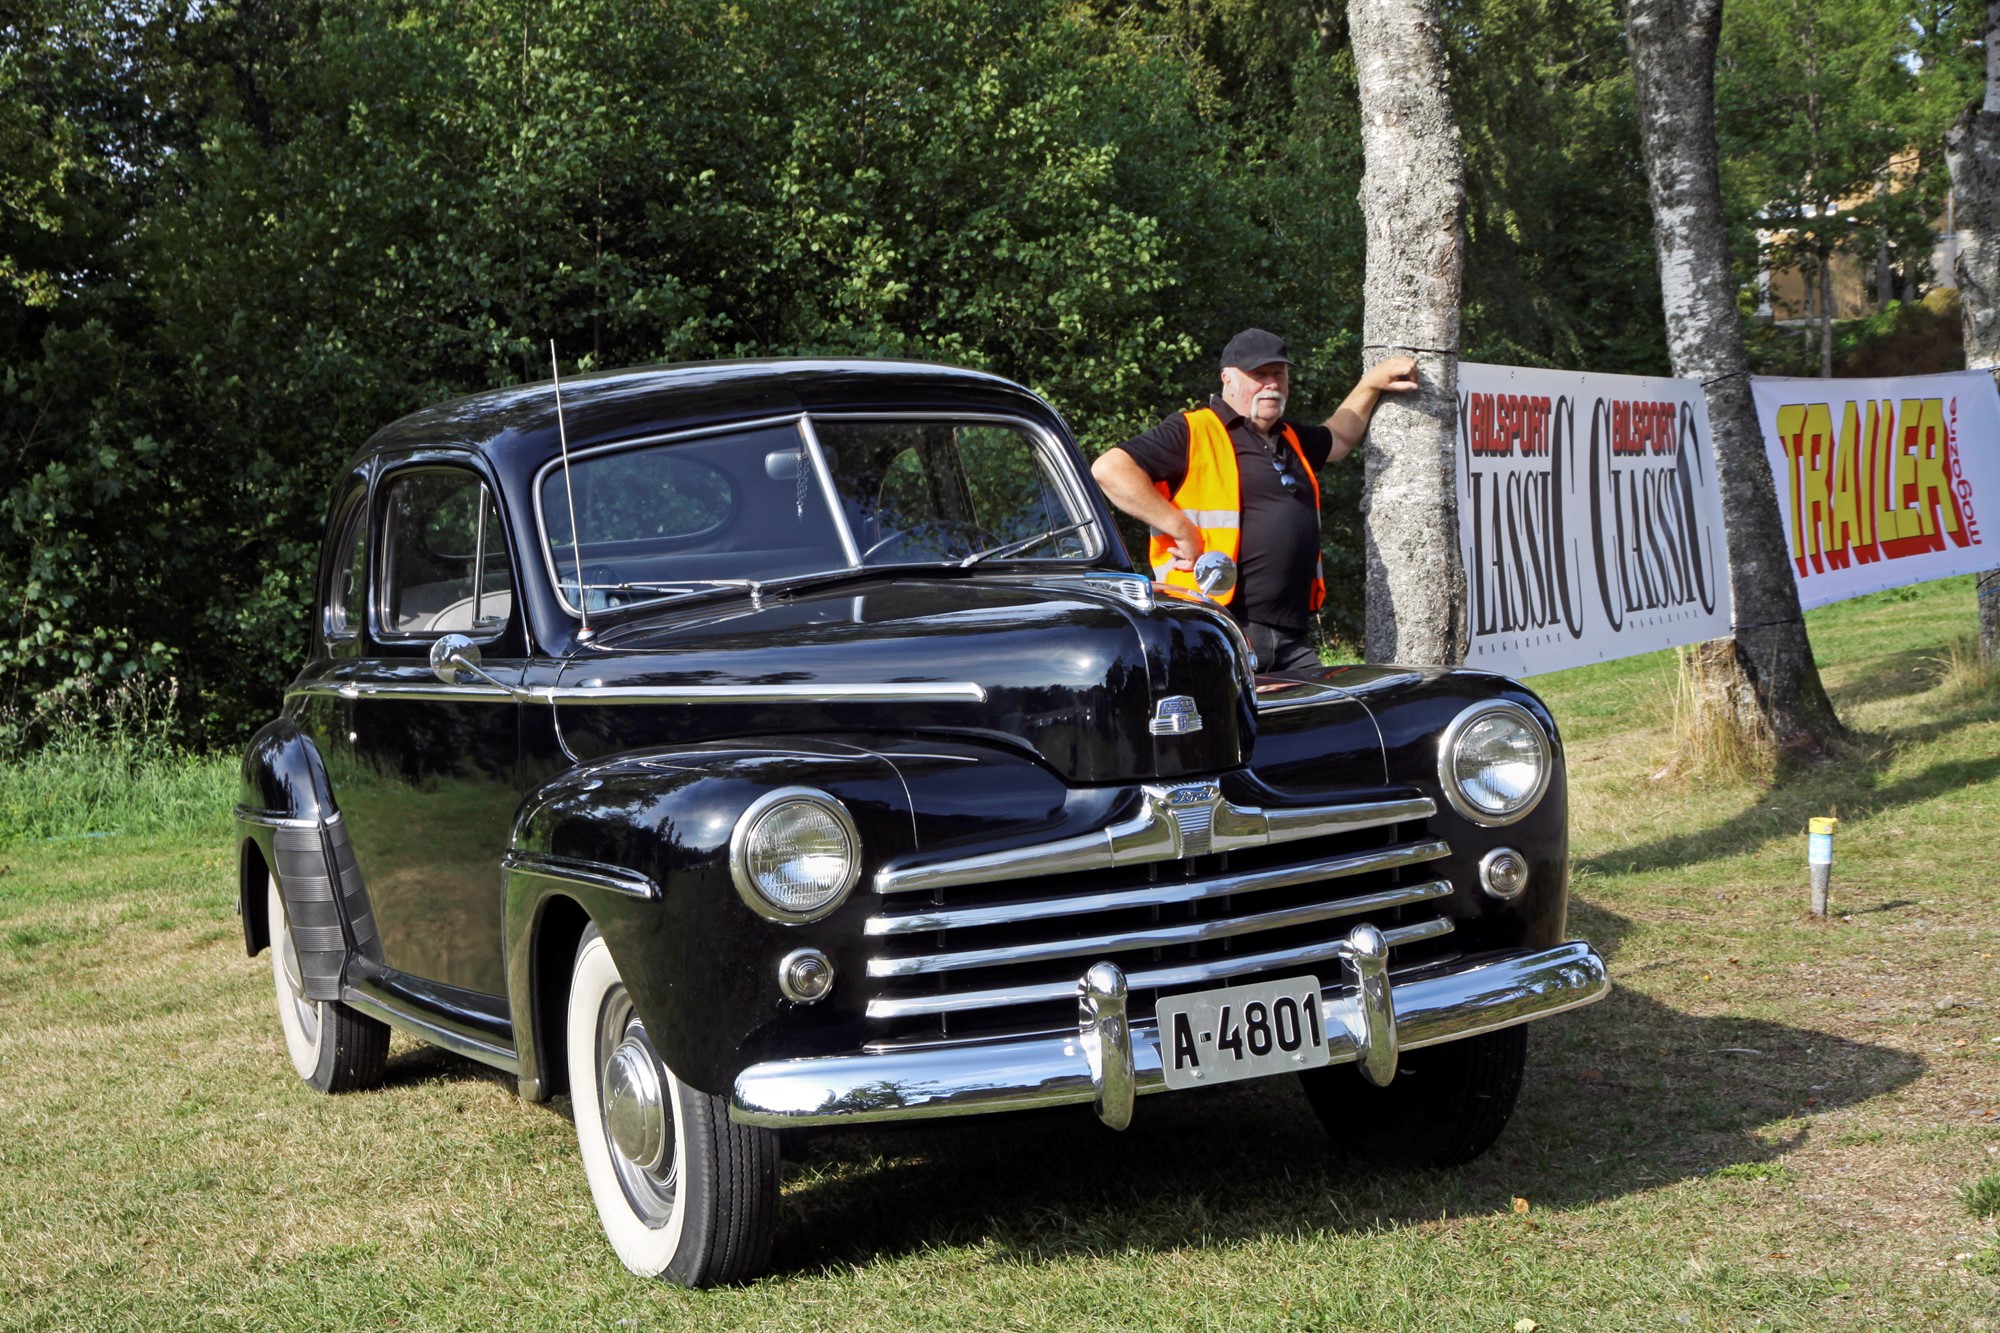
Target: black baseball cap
x,y
1253,348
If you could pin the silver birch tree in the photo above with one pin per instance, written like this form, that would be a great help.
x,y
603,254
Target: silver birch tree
x,y
1412,204
1761,684
1972,150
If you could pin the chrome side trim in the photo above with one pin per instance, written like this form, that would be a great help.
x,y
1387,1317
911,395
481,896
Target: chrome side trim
x,y
459,1043
942,691
1183,974
272,819
948,691
1154,834
976,1077
590,874
1283,698
1174,894
1191,932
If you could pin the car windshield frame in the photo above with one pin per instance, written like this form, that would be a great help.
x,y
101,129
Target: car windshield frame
x,y
1085,522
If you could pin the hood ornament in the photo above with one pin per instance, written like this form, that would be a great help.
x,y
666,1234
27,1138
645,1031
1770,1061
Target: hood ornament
x,y
1175,715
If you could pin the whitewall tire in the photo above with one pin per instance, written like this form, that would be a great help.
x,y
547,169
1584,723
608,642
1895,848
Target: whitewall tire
x,y
332,1047
682,1193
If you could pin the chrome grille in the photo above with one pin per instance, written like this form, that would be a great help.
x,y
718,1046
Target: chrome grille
x,y
1191,890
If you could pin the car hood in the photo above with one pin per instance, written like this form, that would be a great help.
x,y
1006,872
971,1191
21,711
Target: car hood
x,y
1087,672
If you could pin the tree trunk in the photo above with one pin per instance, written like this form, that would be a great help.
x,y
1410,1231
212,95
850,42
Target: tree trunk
x,y
1972,149
1826,315
1412,204
1769,689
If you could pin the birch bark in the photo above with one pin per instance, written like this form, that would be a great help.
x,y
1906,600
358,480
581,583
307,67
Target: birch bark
x,y
1972,150
1412,204
1762,683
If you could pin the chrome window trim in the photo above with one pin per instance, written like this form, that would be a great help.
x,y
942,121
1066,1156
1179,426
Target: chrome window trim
x,y
1152,835
1159,895
1158,978
823,473
739,869
379,568
1161,937
1448,741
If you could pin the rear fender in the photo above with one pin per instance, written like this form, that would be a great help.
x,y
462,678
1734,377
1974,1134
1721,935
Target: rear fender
x,y
287,826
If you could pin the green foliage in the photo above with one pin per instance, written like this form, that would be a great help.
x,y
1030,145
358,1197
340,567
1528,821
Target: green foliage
x,y
1982,1197
90,763
237,239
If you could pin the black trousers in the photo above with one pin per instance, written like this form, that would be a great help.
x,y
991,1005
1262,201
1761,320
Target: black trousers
x,y
1279,649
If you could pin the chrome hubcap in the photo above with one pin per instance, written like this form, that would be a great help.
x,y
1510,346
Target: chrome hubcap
x,y
634,1104
635,1111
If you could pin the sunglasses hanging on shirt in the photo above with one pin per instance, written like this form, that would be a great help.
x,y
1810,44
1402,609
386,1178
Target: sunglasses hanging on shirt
x,y
1285,477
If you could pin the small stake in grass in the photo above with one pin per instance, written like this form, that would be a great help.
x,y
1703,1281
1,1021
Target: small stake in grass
x,y
1819,858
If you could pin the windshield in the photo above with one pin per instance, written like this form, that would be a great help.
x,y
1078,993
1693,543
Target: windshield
x,y
750,506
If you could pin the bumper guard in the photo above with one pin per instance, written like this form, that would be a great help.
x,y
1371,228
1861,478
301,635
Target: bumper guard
x,y
1108,1061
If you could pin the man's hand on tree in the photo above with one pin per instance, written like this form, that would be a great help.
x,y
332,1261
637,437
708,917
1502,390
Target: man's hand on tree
x,y
1392,374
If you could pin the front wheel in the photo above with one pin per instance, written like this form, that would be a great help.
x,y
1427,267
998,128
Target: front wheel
x,y
683,1193
1446,1105
332,1047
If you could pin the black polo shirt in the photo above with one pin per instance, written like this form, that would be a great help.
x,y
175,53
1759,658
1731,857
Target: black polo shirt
x,y
1279,549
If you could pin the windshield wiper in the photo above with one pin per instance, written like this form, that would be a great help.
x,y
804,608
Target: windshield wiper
x,y
1008,548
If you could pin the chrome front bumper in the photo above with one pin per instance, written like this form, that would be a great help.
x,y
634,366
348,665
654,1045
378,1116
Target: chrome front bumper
x,y
1109,1060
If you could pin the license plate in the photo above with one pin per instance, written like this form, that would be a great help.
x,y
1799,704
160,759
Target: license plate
x,y
1248,1031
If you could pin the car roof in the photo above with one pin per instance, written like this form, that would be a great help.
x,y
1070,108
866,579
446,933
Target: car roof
x,y
517,428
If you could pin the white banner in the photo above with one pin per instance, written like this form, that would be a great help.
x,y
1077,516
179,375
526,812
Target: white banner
x,y
1881,481
1589,517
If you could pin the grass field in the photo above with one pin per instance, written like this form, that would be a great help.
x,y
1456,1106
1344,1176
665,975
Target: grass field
x,y
1774,1122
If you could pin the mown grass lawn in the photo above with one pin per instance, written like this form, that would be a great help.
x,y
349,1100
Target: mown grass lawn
x,y
1770,1124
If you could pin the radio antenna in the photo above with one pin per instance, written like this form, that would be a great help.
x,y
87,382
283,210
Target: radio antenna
x,y
569,493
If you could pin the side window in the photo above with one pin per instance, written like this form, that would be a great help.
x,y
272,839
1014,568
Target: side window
x,y
444,557
342,618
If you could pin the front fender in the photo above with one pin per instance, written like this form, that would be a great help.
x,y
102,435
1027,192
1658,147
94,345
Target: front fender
x,y
639,845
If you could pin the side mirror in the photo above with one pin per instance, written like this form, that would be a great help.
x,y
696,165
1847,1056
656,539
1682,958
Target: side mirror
x,y
454,653
1215,574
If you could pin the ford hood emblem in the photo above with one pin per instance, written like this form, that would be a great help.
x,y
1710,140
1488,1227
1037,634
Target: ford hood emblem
x,y
1175,715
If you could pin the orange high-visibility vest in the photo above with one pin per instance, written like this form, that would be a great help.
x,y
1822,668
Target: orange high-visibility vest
x,y
1212,496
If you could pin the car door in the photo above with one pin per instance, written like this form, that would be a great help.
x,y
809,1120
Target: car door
x,y
430,792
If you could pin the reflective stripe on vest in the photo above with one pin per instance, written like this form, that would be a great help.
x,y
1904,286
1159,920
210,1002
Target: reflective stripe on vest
x,y
1212,496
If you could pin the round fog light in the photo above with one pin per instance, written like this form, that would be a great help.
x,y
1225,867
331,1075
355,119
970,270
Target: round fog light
x,y
1503,873
805,975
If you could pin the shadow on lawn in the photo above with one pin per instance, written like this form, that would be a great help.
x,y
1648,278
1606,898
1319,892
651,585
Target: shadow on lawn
x,y
1851,791
1625,1096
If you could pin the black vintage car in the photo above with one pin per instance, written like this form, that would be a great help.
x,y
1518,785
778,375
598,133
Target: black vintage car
x,y
747,746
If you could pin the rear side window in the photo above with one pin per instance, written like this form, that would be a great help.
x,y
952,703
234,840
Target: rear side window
x,y
445,567
349,576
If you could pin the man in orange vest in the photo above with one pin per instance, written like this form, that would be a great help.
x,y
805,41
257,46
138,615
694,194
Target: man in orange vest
x,y
1235,476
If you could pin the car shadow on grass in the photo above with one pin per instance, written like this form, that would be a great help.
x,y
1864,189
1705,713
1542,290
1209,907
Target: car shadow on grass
x,y
1626,1096
1852,792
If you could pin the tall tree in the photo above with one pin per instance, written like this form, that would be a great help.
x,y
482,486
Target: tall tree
x,y
1762,682
1413,206
1972,147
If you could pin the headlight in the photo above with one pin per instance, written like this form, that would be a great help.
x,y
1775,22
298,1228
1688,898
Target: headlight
x,y
1494,762
794,854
